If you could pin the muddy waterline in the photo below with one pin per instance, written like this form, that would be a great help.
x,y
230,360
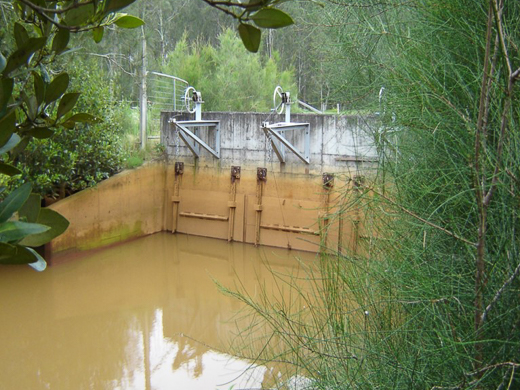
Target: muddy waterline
x,y
143,315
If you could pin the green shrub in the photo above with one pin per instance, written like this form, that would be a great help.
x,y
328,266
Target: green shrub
x,y
74,159
433,301
133,162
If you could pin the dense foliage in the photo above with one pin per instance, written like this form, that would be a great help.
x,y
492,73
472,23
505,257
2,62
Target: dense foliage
x,y
455,98
74,159
430,297
230,78
36,103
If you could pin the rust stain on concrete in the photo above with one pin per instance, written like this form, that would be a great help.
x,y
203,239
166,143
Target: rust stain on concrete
x,y
297,211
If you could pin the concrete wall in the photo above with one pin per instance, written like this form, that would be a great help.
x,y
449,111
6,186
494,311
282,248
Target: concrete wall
x,y
292,208
338,143
297,211
128,205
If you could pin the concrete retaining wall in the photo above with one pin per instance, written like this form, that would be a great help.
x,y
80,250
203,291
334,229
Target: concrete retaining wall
x,y
127,205
294,207
338,143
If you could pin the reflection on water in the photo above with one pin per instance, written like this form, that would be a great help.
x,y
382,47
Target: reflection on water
x,y
144,315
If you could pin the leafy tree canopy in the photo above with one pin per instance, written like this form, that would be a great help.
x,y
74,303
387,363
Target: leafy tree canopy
x,y
36,104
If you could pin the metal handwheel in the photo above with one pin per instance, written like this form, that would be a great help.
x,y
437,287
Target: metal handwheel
x,y
189,101
278,99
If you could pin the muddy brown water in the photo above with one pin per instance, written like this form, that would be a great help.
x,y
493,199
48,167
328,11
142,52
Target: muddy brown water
x,y
143,315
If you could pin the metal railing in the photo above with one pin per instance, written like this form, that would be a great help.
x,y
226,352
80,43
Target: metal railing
x,y
164,92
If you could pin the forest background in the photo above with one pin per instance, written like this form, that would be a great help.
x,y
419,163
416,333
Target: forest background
x,y
432,299
195,42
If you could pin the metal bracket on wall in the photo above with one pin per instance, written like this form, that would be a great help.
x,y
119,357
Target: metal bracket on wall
x,y
359,181
179,168
276,135
179,171
193,141
328,180
235,173
261,174
232,203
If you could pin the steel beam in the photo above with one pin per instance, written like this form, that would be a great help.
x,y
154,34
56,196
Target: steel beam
x,y
193,142
276,131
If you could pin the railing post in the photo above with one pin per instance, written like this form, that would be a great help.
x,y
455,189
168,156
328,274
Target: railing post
x,y
174,96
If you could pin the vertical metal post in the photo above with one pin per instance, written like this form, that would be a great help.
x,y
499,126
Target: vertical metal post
x,y
358,182
281,146
341,222
288,112
144,97
261,178
217,139
307,140
340,231
232,204
174,96
328,184
198,111
179,171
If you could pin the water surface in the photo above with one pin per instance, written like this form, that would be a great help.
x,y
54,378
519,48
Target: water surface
x,y
143,315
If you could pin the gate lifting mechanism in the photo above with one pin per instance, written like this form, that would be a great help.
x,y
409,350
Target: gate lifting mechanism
x,y
193,102
275,132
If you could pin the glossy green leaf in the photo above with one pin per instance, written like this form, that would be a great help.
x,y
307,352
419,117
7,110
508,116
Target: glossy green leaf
x,y
30,210
81,15
250,36
20,145
6,90
97,33
40,264
60,40
3,62
72,50
15,254
8,169
14,201
11,143
271,18
57,223
45,75
39,88
57,87
116,5
14,231
128,21
82,118
7,127
20,35
67,103
32,106
21,56
68,124
255,5
39,132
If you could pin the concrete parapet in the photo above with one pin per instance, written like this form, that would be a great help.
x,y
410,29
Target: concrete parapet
x,y
338,143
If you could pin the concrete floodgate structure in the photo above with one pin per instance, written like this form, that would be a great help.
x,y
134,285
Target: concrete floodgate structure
x,y
228,176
